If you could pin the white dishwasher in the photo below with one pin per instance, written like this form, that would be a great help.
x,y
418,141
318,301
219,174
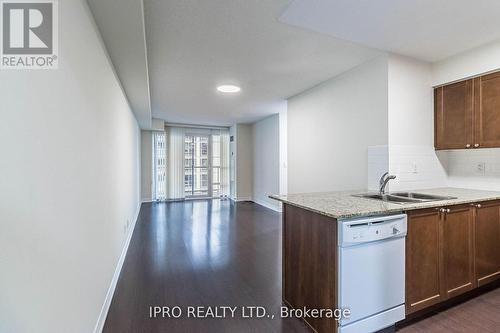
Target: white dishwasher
x,y
371,272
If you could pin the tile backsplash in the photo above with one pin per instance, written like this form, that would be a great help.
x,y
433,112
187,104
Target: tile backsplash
x,y
419,167
378,164
472,163
415,167
473,168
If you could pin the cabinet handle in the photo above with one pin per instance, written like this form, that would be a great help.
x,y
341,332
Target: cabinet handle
x,y
478,205
448,210
467,145
476,145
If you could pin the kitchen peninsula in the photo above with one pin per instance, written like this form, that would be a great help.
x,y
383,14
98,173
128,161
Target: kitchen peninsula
x,y
452,246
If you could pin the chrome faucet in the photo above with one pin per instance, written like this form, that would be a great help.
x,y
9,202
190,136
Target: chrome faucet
x,y
383,182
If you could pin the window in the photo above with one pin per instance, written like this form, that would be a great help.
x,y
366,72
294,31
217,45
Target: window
x,y
206,164
196,165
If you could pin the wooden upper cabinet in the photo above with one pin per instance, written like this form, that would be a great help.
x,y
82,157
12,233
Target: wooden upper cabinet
x,y
458,253
467,113
487,111
487,246
454,115
423,260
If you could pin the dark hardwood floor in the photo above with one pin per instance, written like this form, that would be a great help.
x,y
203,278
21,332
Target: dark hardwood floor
x,y
477,315
208,253
201,253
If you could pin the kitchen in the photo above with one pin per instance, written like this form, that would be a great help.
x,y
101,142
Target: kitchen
x,y
432,240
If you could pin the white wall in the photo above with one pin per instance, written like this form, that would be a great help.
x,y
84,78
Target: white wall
x,y
320,116
410,106
283,130
331,126
70,180
470,63
241,162
266,161
411,153
146,165
244,162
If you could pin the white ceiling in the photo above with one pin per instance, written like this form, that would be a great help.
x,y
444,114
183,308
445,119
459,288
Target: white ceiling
x,y
194,45
425,29
121,24
191,46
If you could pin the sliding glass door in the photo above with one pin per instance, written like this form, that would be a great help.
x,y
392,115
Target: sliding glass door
x,y
197,176
190,163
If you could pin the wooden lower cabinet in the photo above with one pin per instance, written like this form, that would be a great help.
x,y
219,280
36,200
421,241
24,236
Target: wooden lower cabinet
x,y
458,253
487,244
439,255
310,264
423,260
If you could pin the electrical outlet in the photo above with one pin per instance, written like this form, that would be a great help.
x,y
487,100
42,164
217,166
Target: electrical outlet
x,y
481,168
414,168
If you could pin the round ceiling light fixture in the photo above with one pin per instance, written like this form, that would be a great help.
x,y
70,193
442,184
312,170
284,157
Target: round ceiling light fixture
x,y
228,88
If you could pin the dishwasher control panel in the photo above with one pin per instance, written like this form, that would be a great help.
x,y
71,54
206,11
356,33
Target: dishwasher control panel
x,y
371,229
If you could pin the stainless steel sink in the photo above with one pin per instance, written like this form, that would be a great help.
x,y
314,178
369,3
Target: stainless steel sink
x,y
403,197
421,196
386,197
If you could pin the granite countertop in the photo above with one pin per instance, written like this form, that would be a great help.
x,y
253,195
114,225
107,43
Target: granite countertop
x,y
344,205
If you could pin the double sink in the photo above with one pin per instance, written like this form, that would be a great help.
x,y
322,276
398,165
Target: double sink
x,y
404,197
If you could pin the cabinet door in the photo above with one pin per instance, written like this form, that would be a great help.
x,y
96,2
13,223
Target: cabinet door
x,y
487,111
458,250
453,107
487,247
423,260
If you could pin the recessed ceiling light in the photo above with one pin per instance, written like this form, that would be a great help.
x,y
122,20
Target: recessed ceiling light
x,y
228,88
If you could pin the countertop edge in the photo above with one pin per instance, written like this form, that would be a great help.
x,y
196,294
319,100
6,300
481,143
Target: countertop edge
x,y
427,205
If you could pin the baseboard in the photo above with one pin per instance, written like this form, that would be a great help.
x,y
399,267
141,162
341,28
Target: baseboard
x,y
240,199
111,290
267,205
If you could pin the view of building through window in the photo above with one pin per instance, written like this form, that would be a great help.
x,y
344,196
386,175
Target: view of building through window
x,y
196,165
202,165
216,165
